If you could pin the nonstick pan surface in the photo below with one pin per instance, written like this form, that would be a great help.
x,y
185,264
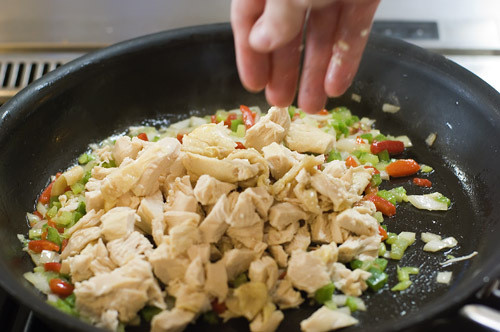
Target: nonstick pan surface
x,y
168,76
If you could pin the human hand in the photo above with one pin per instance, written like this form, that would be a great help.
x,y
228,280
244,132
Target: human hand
x,y
268,36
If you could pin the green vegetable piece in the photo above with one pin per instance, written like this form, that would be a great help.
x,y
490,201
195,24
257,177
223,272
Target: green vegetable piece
x,y
379,216
324,293
380,138
340,128
358,154
341,114
81,208
235,123
85,158
356,264
450,257
377,280
291,111
401,286
86,177
76,216
53,200
302,114
211,317
63,306
443,199
77,188
121,327
53,236
221,116
369,158
351,303
368,137
65,218
380,263
425,168
391,238
384,156
352,120
385,194
399,193
410,269
156,138
51,213
241,130
330,305
384,227
333,155
240,280
376,180
148,312
398,248
382,249
35,234
110,164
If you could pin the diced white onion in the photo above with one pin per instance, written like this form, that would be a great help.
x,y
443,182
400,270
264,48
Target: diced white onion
x,y
47,256
444,277
436,245
389,108
356,97
458,259
408,236
345,310
360,304
427,202
181,124
41,208
346,144
39,281
430,139
384,175
32,218
339,300
196,121
405,139
427,237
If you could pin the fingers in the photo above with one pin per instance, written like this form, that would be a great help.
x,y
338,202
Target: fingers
x,y
285,63
320,35
350,40
253,67
280,23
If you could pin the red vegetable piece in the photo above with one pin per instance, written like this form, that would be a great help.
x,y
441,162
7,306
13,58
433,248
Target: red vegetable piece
x,y
53,266
248,116
422,182
230,118
240,145
359,140
39,245
143,136
402,167
213,119
38,214
370,189
382,205
376,171
393,147
351,162
45,196
382,233
323,112
64,244
219,308
180,137
61,287
51,223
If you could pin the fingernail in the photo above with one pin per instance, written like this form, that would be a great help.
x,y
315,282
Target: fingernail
x,y
259,38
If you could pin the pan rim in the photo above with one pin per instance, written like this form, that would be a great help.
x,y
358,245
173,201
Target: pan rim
x,y
21,105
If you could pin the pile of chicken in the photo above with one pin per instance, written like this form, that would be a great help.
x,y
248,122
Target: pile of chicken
x,y
273,210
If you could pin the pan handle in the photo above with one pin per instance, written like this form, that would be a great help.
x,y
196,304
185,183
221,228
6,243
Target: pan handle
x,y
483,315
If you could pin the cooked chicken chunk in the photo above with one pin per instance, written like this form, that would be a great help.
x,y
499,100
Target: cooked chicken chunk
x,y
125,147
166,265
79,240
125,249
174,320
279,255
301,241
270,128
237,261
306,271
118,223
264,270
215,224
306,138
324,319
350,282
250,236
151,212
280,159
362,247
208,189
357,223
192,299
283,214
210,140
91,219
285,296
216,284
267,320
337,190
274,236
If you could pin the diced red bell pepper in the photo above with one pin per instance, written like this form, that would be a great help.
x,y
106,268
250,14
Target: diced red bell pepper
x,y
230,118
213,119
180,137
240,145
382,205
351,162
382,232
143,136
422,182
44,235
375,171
248,116
393,147
39,245
45,196
61,287
359,140
402,167
51,223
38,214
219,308
370,189
53,266
323,112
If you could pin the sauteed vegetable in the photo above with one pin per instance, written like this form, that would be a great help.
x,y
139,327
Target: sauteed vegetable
x,y
238,214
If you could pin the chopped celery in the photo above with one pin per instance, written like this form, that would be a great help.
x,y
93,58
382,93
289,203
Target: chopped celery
x,y
241,130
302,114
86,177
156,138
378,263
391,238
425,168
333,155
341,114
384,156
148,312
400,194
77,188
380,137
240,280
81,208
368,137
369,158
235,123
387,195
356,264
381,263
35,233
291,111
401,285
442,199
330,305
382,249
404,272
221,116
53,236
85,158
110,164
65,218
399,246
382,165
358,154
350,302
53,201
69,194
63,306
324,293
376,180
377,280
352,120
340,128
77,216
52,212
210,317
379,216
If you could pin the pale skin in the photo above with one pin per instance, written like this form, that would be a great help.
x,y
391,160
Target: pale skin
x,y
268,36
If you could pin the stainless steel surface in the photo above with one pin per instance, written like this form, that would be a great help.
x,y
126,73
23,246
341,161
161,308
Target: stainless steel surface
x,y
482,315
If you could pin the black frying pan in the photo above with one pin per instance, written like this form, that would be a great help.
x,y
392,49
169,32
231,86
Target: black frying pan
x,y
169,75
